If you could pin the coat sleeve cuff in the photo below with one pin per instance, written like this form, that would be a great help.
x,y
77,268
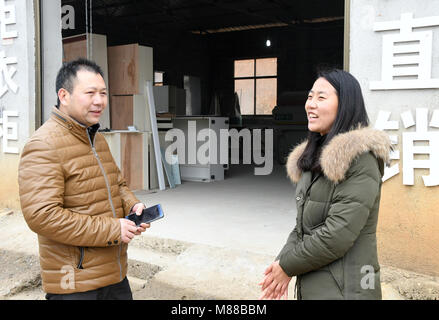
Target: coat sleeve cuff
x,y
284,264
115,238
128,205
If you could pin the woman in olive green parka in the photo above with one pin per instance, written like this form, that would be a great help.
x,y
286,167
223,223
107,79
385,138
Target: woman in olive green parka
x,y
333,248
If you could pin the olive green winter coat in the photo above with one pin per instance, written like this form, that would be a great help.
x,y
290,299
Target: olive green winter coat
x,y
333,248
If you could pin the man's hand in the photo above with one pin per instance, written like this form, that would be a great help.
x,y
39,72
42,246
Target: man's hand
x,y
138,208
128,230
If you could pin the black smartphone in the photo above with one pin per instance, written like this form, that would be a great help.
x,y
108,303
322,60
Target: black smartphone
x,y
148,215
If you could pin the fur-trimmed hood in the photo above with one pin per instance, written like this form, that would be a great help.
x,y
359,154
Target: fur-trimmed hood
x,y
337,156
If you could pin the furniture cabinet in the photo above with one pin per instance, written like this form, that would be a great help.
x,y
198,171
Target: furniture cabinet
x,y
192,169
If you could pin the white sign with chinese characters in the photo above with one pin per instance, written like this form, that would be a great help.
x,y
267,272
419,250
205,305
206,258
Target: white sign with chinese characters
x,y
7,18
8,128
410,141
6,74
407,56
5,125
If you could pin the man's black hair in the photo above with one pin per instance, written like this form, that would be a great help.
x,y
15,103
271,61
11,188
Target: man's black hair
x,y
351,114
68,72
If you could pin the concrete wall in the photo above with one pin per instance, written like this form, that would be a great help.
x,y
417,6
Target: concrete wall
x,y
51,43
408,228
22,101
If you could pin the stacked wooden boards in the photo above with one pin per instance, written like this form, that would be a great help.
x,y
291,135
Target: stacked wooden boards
x,y
130,66
126,69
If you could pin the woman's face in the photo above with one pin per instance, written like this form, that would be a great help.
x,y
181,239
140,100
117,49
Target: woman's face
x,y
321,106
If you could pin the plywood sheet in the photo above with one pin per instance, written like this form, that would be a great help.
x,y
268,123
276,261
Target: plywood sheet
x,y
130,151
122,112
132,159
141,113
146,67
74,49
123,69
113,141
130,111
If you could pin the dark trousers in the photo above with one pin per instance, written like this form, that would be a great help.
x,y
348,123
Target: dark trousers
x,y
118,291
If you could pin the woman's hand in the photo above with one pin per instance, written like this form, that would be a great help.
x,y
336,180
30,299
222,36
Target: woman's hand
x,y
275,283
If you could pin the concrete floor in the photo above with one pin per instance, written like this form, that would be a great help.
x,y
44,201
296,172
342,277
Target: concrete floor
x,y
243,212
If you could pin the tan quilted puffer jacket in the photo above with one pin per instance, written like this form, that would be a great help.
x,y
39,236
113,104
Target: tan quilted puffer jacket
x,y
72,195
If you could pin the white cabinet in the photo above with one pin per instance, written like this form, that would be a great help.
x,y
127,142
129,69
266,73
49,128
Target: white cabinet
x,y
194,167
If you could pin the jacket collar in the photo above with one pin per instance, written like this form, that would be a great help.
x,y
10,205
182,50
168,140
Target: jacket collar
x,y
77,129
341,151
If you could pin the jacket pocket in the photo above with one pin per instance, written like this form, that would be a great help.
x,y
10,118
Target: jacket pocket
x,y
337,271
81,257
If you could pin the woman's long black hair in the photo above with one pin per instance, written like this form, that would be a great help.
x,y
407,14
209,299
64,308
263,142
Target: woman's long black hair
x,y
351,113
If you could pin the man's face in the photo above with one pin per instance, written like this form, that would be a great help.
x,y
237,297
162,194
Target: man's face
x,y
88,99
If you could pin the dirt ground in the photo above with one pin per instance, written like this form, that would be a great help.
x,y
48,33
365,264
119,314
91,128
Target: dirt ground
x,y
410,285
20,273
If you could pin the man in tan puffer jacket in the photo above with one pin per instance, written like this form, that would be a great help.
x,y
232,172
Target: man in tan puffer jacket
x,y
74,197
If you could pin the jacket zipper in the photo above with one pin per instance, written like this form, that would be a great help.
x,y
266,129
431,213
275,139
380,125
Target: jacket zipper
x,y
306,199
297,287
110,199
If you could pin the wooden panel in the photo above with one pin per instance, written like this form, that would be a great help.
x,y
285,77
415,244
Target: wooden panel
x,y
131,154
123,69
146,69
141,113
99,55
122,112
129,111
74,49
132,160
113,141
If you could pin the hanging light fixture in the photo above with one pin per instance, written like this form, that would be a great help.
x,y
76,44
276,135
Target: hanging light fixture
x,y
268,43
